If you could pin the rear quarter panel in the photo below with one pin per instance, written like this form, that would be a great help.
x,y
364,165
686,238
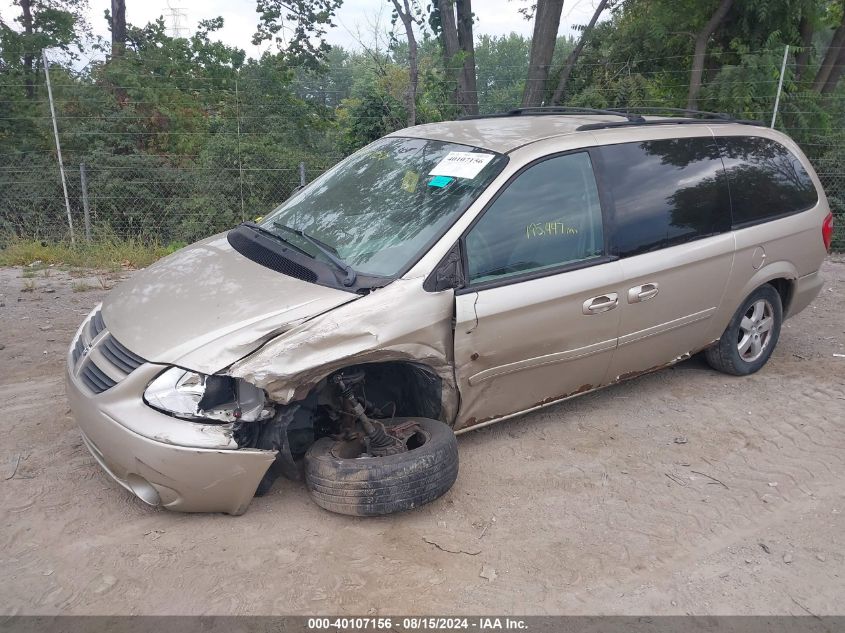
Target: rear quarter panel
x,y
793,244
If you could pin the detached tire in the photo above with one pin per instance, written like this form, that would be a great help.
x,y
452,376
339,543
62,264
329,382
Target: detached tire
x,y
751,336
371,486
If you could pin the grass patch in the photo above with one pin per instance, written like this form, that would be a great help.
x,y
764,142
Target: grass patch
x,y
108,253
81,286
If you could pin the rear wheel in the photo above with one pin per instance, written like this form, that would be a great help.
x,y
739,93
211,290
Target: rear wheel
x,y
343,478
751,336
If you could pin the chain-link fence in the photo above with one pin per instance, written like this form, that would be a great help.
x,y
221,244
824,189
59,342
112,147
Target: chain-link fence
x,y
142,196
140,176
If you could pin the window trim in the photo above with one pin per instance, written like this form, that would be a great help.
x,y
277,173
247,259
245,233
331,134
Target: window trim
x,y
530,275
738,226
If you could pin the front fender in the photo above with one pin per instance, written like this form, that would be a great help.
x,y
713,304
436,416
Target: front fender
x,y
401,322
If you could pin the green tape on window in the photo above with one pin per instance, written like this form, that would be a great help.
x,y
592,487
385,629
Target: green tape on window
x,y
440,181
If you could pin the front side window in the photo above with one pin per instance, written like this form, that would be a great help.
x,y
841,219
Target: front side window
x,y
548,216
377,209
766,179
665,192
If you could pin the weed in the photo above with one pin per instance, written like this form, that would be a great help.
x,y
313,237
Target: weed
x,y
81,286
107,252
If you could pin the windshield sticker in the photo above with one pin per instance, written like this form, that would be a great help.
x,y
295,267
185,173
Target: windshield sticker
x,y
440,181
409,182
461,164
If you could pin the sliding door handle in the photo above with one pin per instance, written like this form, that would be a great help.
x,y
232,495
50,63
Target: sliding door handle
x,y
645,292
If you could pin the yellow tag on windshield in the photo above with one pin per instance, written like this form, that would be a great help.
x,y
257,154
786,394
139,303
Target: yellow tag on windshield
x,y
409,182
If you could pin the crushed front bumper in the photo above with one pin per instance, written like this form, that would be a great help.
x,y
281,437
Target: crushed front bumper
x,y
164,461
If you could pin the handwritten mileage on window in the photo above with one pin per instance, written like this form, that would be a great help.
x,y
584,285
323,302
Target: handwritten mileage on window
x,y
548,229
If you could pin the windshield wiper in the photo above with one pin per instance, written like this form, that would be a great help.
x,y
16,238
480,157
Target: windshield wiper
x,y
275,236
325,249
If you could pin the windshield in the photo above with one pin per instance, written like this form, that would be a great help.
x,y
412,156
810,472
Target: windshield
x,y
378,208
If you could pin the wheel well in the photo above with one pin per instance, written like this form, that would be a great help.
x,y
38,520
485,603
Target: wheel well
x,y
390,389
415,389
785,288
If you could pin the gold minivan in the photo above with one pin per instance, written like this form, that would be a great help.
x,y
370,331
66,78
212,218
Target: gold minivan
x,y
443,278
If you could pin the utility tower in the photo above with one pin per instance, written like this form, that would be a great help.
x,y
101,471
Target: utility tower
x,y
178,19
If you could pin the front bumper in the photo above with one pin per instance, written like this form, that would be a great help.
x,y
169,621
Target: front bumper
x,y
164,461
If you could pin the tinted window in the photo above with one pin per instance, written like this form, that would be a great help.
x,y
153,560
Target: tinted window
x,y
665,192
766,179
549,215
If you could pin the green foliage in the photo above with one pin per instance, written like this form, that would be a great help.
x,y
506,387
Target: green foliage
x,y
309,20
183,137
501,62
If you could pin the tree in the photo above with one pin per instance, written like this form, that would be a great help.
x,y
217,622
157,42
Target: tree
x,y
469,100
458,47
546,23
409,14
45,24
310,19
26,21
572,59
835,73
117,22
501,61
807,30
831,66
701,41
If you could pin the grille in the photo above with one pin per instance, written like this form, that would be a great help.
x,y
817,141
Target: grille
x,y
97,323
119,356
260,255
77,350
115,361
95,379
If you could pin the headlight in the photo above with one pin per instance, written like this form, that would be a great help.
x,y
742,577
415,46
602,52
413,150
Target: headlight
x,y
191,396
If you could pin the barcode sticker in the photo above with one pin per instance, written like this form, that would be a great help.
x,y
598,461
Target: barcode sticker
x,y
461,164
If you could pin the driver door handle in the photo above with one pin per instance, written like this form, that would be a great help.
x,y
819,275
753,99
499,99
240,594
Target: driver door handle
x,y
602,303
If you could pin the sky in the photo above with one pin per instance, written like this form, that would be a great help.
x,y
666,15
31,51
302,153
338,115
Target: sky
x,y
356,19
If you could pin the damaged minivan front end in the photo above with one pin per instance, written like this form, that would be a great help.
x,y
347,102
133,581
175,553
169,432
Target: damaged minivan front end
x,y
209,374
206,442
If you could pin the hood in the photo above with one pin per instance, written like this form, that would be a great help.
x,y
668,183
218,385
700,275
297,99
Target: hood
x,y
206,306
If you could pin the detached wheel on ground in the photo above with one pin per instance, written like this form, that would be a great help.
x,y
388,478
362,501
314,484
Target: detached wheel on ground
x,y
343,478
750,338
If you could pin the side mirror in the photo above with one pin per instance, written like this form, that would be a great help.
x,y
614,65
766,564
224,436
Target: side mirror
x,y
449,273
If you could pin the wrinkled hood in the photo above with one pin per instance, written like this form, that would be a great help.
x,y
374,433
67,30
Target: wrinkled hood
x,y
207,305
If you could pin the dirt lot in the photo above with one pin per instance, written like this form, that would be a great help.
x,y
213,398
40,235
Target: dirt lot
x,y
684,491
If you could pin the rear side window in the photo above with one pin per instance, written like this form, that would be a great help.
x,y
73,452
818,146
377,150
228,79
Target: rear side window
x,y
665,192
766,179
548,216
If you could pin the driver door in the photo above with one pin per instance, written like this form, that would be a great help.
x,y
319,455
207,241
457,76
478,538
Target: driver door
x,y
538,320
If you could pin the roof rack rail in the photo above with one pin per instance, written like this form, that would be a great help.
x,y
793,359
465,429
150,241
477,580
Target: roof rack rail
x,y
632,116
665,121
657,110
552,110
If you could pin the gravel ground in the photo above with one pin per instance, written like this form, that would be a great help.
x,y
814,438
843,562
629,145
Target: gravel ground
x,y
684,491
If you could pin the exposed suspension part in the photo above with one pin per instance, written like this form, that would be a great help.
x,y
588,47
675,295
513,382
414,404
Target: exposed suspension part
x,y
379,442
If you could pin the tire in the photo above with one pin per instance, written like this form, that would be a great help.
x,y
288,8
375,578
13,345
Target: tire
x,y
727,354
374,486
